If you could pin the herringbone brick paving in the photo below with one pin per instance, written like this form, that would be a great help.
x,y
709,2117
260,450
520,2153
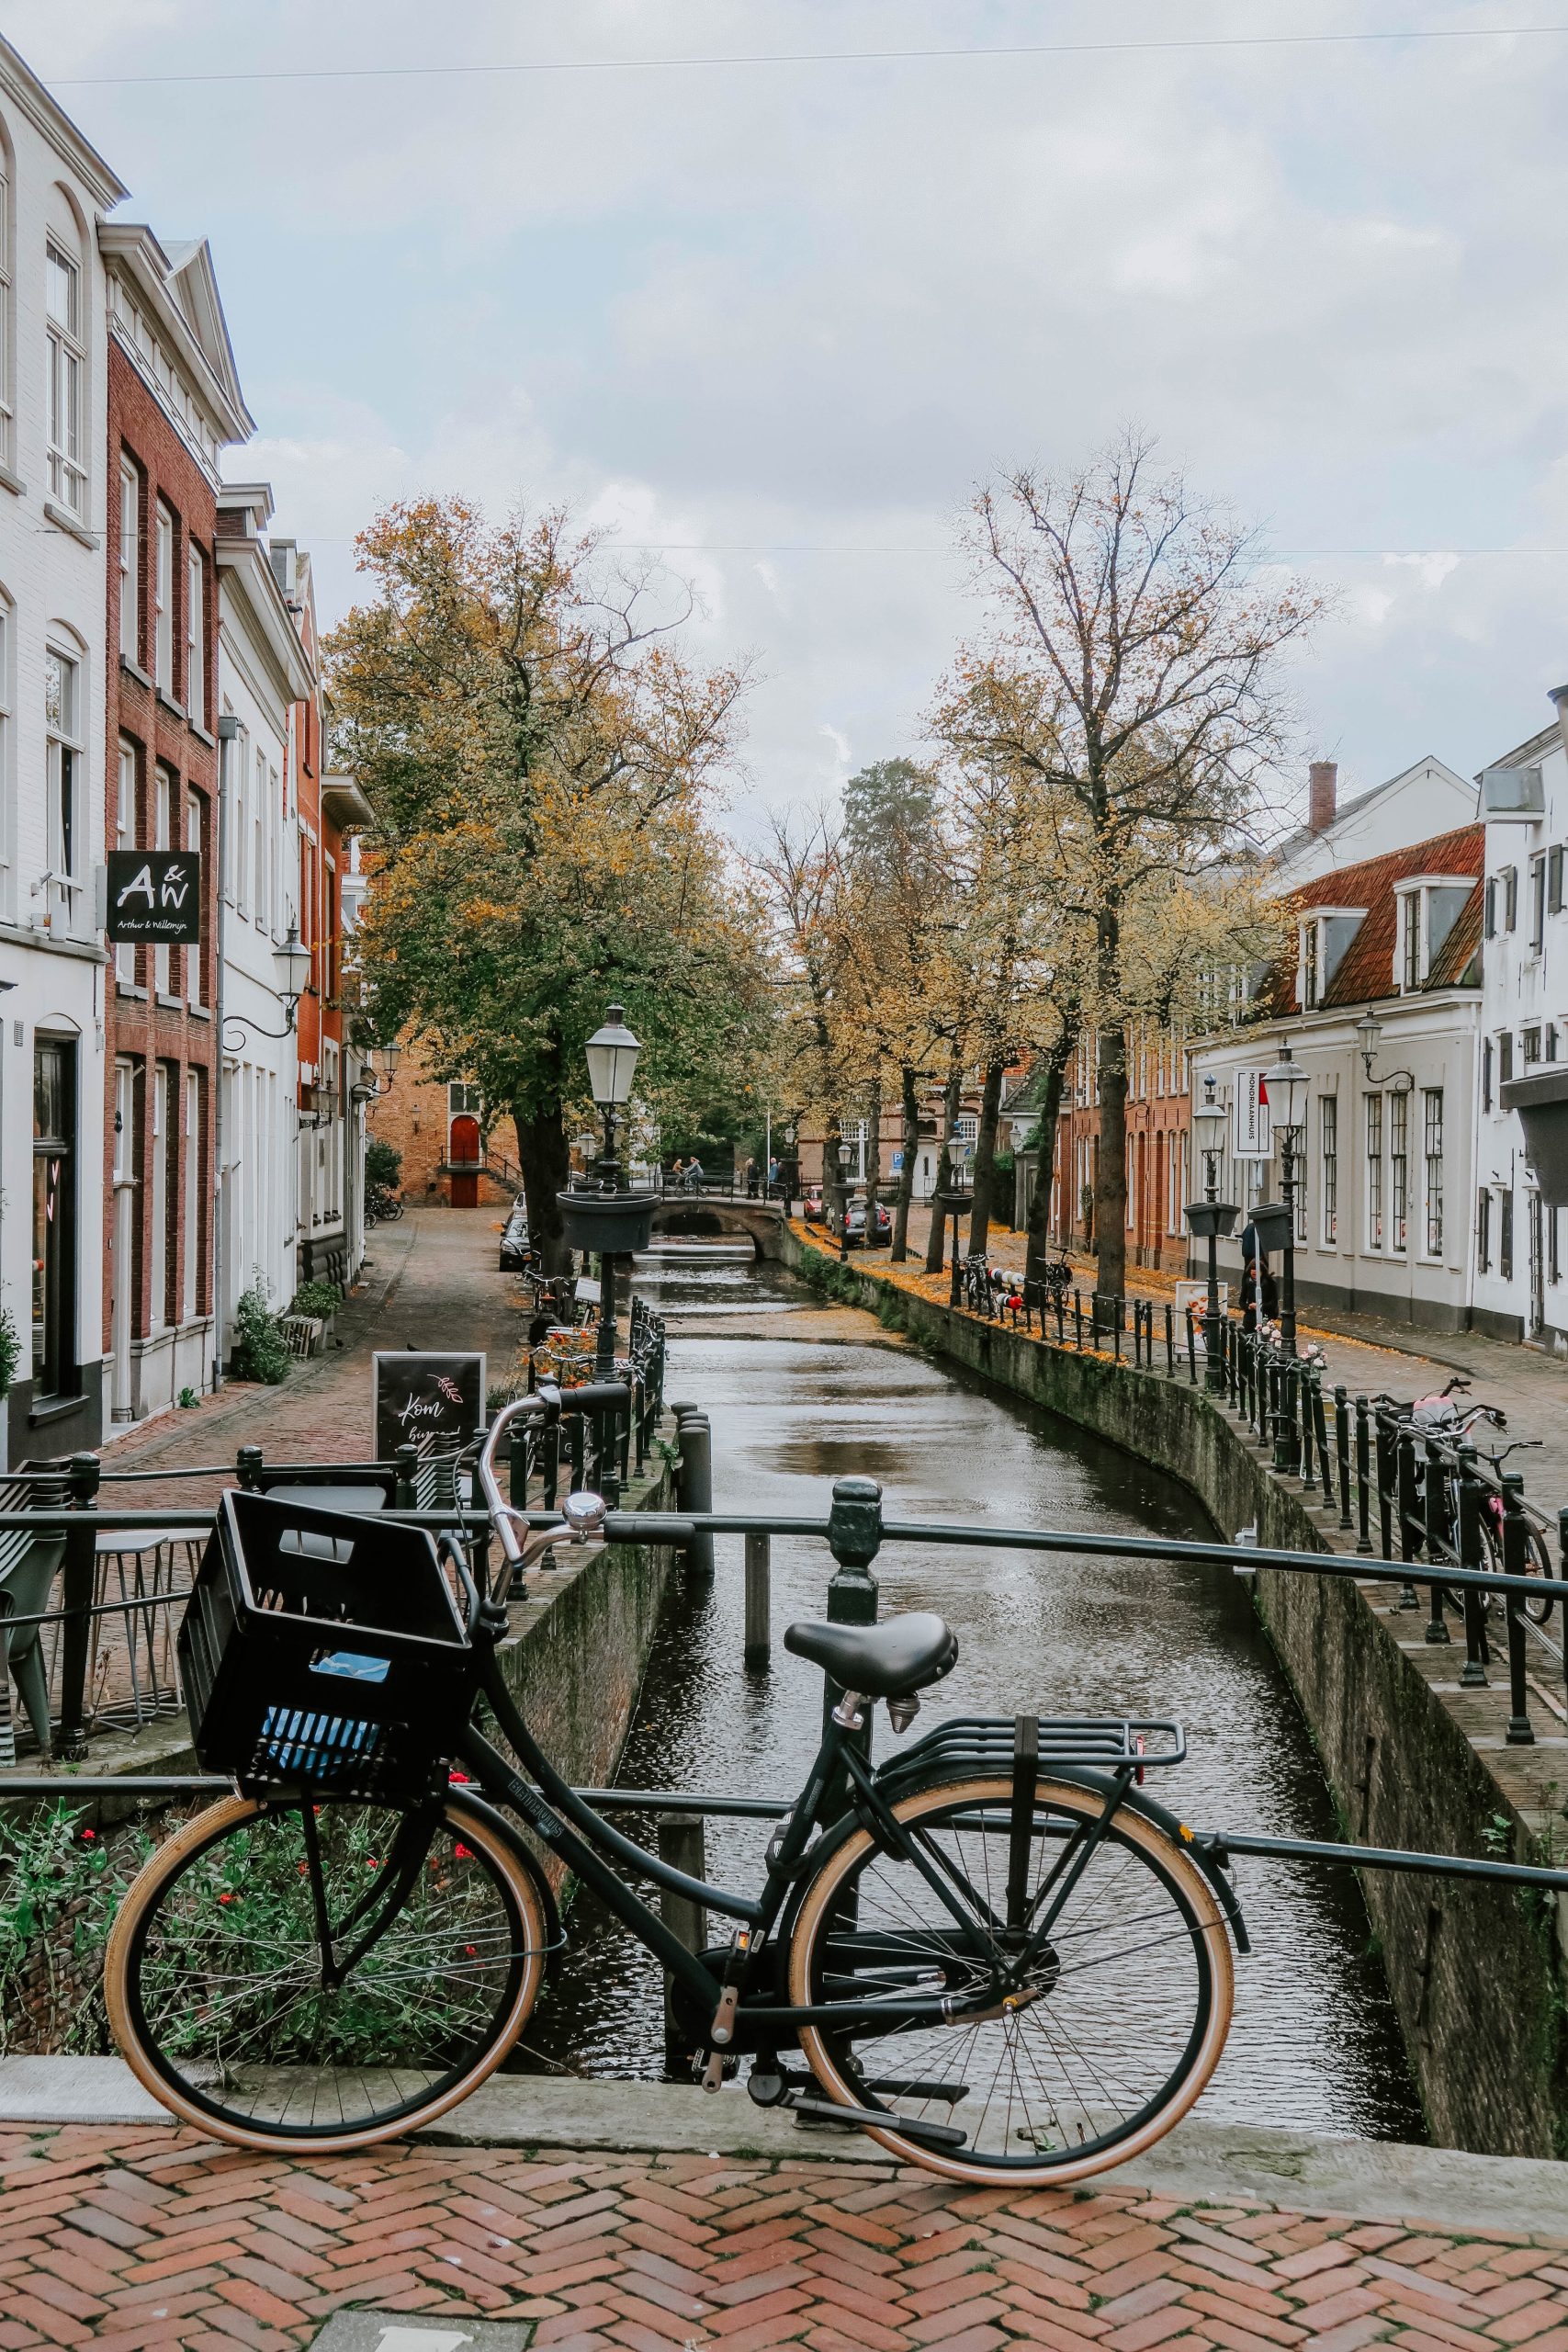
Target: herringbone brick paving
x,y
152,2238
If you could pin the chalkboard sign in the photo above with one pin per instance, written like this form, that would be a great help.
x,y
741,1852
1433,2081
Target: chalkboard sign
x,y
154,894
436,1402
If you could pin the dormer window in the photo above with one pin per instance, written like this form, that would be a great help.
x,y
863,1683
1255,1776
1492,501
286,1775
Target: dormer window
x,y
1322,938
1427,910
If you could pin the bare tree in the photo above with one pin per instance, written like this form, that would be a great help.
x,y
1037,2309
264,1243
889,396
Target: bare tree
x,y
1132,666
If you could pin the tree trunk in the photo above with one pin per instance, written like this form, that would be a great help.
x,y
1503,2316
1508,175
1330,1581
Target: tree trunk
x,y
872,1161
986,1159
545,1163
949,1094
1038,1249
1110,1177
904,1191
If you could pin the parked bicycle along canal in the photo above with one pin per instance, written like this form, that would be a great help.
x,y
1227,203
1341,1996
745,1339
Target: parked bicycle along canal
x,y
800,1394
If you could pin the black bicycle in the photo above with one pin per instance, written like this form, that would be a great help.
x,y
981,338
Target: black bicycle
x,y
994,1953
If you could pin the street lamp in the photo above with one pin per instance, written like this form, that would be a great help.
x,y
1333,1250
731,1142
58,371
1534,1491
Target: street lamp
x,y
291,967
1368,1030
1211,1219
846,1153
603,1215
1287,1083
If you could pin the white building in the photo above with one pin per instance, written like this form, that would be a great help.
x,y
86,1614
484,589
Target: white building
x,y
262,674
1385,1163
1418,804
54,191
1521,1169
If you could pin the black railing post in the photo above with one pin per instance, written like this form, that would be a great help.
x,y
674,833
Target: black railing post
x,y
1342,1450
1436,1519
1364,1479
1307,1391
1521,1731
549,1463
78,1576
1077,1317
1473,1673
855,1538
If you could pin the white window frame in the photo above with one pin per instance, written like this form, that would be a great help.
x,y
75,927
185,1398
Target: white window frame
x,y
129,562
1373,1129
1329,1163
260,862
1432,1170
158,1220
7,317
65,390
195,804
196,637
125,838
163,603
191,1269
65,805
1399,1172
239,891
166,801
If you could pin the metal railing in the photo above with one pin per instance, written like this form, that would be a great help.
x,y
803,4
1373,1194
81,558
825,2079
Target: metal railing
x,y
100,1635
854,1531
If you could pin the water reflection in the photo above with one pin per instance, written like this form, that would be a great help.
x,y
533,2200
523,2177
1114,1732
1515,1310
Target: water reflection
x,y
1314,2044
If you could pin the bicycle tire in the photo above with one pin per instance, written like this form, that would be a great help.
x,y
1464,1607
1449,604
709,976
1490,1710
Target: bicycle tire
x,y
176,1939
1538,1562
840,1890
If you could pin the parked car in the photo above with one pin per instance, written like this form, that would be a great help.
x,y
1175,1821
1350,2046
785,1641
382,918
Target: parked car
x,y
515,1252
816,1211
854,1224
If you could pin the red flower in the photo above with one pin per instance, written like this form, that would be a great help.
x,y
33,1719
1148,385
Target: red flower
x,y
225,1898
462,1853
89,1833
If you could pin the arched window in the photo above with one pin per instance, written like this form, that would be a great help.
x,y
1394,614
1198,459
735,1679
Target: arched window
x,y
66,310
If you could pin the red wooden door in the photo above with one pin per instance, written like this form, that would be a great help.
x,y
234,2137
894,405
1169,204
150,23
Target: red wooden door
x,y
463,1153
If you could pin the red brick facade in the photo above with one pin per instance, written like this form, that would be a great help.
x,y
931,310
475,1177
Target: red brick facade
x,y
158,1004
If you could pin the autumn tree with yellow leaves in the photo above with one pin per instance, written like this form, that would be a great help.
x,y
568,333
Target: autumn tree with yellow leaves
x,y
543,757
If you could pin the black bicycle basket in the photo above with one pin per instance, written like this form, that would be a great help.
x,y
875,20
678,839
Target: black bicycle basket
x,y
324,1651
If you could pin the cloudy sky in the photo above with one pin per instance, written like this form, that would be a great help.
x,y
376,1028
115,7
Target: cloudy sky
x,y
778,317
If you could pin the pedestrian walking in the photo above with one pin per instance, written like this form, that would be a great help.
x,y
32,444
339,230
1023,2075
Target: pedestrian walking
x,y
750,1179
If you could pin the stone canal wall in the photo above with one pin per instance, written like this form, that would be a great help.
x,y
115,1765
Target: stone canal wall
x,y
1479,1975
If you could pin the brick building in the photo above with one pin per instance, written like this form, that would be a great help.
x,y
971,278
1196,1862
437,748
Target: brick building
x,y
173,400
436,1124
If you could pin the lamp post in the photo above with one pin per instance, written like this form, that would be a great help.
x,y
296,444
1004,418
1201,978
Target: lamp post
x,y
1287,1083
846,1153
611,1053
1209,1219
291,964
1368,1030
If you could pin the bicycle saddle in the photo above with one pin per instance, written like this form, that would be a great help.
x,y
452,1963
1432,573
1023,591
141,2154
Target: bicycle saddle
x,y
880,1661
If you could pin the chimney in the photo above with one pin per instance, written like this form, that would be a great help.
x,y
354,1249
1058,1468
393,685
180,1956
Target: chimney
x,y
1322,791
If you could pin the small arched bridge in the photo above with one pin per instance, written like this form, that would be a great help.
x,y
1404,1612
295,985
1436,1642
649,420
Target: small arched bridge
x,y
716,1216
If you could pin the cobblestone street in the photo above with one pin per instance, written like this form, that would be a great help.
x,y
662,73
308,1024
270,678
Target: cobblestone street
x,y
152,2238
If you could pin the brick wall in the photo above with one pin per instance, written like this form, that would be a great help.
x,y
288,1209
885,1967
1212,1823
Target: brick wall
x,y
150,1024
413,1118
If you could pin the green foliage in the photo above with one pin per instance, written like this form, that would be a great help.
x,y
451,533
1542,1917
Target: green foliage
x,y
890,807
261,1352
317,1298
10,1350
189,1400
51,1869
383,1166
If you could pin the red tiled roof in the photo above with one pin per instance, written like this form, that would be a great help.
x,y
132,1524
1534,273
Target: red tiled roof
x,y
1366,970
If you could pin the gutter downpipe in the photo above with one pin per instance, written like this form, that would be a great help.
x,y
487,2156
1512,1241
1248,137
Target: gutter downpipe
x,y
228,728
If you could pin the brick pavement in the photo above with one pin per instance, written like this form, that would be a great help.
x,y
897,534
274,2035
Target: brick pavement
x,y
138,2239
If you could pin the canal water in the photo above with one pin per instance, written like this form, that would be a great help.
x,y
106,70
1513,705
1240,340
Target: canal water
x,y
800,1394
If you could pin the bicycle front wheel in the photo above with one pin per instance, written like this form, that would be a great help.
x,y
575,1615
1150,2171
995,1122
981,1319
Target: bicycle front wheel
x,y
327,1973
1118,2020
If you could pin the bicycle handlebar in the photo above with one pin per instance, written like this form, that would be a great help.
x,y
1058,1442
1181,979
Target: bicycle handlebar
x,y
547,1403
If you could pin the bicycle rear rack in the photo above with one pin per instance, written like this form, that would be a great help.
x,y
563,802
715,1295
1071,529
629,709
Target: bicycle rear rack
x,y
1106,1743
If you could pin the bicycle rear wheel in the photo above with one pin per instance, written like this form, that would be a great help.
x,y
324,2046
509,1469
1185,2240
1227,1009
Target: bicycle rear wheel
x,y
237,2012
1118,2023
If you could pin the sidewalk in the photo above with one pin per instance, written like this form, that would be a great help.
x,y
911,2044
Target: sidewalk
x,y
139,2239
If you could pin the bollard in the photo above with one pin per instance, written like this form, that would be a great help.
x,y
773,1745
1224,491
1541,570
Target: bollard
x,y
693,1489
405,1494
77,1580
682,1844
758,1632
248,1468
